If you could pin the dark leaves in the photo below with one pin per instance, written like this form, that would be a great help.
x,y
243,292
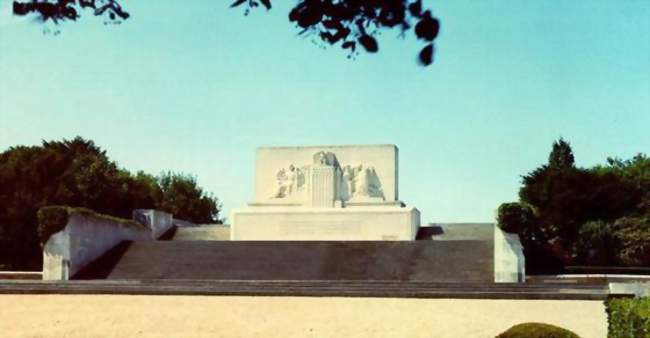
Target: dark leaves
x,y
69,9
426,55
237,3
349,44
266,3
306,16
369,43
427,28
332,21
415,8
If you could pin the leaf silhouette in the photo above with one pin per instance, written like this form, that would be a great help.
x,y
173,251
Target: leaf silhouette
x,y
427,28
426,55
237,3
266,3
369,43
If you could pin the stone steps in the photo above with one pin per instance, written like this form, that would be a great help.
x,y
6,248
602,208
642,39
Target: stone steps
x,y
433,261
202,233
411,289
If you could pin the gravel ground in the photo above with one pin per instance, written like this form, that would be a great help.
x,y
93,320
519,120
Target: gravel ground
x,y
203,316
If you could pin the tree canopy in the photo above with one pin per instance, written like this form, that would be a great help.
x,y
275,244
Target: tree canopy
x,y
575,216
78,173
346,23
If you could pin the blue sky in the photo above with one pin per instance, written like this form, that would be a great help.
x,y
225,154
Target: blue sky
x,y
196,87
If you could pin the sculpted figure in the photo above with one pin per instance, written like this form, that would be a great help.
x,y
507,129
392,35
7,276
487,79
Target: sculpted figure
x,y
321,158
347,186
361,183
287,182
365,183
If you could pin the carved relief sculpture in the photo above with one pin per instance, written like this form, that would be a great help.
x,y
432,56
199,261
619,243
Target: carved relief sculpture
x,y
352,183
290,181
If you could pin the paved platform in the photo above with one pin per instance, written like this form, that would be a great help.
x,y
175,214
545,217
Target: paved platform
x,y
384,289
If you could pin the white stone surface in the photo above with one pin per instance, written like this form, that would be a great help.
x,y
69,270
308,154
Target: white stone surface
x,y
158,221
364,173
360,223
509,260
84,239
638,289
326,193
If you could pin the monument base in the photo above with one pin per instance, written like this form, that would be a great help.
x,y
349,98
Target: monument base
x,y
390,223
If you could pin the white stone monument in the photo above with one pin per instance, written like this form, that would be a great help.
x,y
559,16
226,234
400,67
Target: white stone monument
x,y
326,193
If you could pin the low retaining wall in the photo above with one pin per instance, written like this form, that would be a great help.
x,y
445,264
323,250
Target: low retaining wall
x,y
183,224
158,221
509,260
84,238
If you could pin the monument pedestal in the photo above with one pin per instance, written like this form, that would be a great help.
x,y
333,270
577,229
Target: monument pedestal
x,y
335,193
374,223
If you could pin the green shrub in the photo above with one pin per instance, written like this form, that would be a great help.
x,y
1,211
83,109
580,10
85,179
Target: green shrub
x,y
52,219
628,317
514,217
537,330
597,244
634,235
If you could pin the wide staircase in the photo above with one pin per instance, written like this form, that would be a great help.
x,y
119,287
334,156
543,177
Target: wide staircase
x,y
431,261
446,262
201,233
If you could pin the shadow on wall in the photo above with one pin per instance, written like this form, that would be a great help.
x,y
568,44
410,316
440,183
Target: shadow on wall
x,y
427,233
102,267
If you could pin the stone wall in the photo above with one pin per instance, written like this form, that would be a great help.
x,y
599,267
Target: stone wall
x,y
158,221
85,238
325,224
509,260
183,223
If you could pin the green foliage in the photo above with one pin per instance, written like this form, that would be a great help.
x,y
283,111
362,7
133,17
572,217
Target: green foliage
x,y
561,156
576,211
78,173
51,220
514,217
628,317
633,234
597,243
537,330
183,198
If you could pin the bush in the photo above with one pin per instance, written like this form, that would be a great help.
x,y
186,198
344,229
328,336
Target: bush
x,y
514,217
51,220
597,244
628,317
537,330
634,235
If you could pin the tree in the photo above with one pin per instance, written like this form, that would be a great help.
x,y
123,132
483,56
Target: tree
x,y
183,198
561,157
78,173
581,216
347,23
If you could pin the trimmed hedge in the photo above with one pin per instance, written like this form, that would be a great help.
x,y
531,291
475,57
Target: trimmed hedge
x,y
537,330
514,217
628,317
52,219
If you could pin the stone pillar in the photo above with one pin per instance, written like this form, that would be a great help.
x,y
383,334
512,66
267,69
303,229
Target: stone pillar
x,y
323,189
